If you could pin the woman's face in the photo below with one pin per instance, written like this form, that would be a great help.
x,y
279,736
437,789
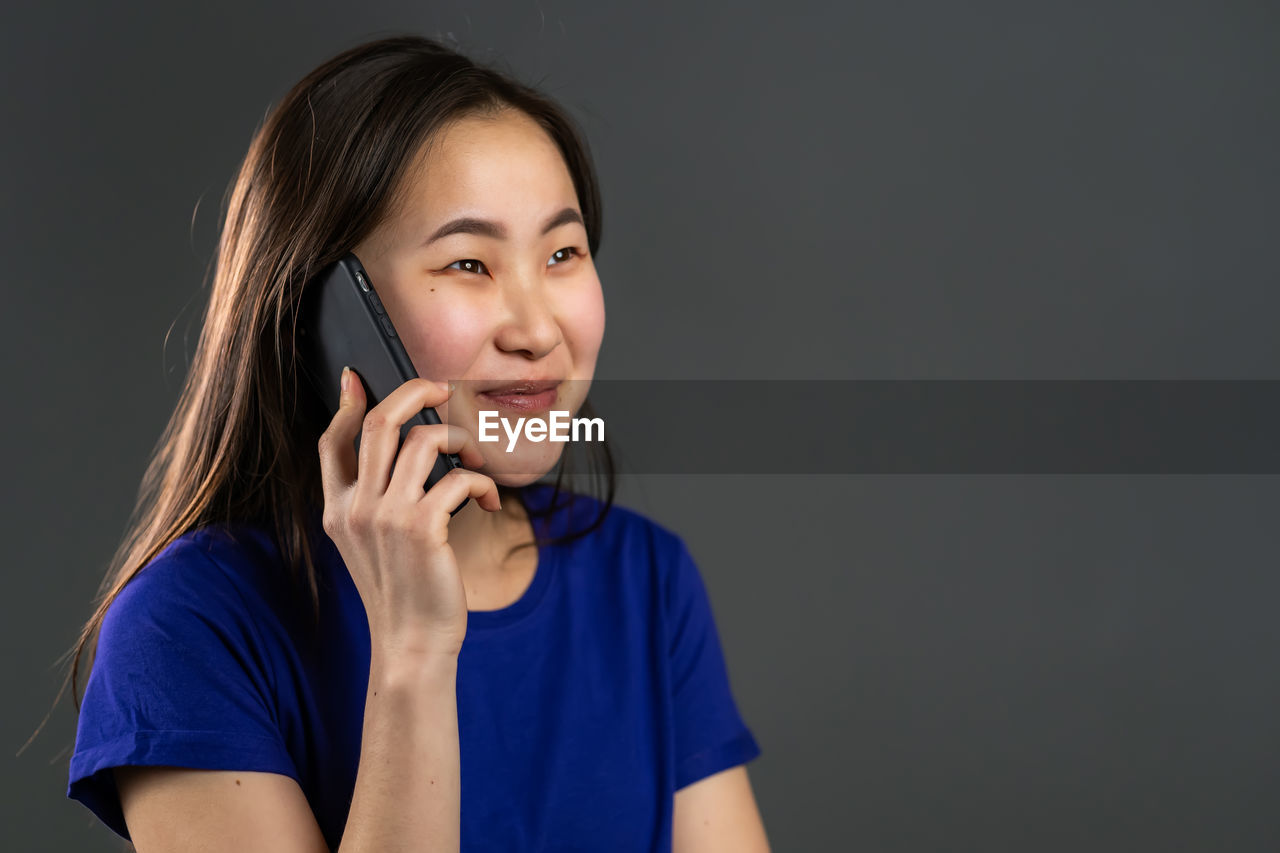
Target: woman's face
x,y
491,309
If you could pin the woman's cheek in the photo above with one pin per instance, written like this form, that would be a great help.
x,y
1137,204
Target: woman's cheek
x,y
589,320
445,342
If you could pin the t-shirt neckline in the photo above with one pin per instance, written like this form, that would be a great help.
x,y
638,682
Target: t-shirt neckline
x,y
489,620
537,496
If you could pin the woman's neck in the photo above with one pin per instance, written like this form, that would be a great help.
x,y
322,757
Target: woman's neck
x,y
482,541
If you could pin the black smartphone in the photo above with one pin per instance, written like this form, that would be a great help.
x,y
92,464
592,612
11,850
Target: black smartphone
x,y
341,322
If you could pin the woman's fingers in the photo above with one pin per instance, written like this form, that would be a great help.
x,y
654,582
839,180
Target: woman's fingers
x,y
380,438
418,455
337,442
448,493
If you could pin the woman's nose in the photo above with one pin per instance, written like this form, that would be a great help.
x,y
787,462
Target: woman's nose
x,y
531,325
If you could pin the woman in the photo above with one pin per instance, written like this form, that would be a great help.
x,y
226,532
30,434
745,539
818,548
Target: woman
x,y
302,650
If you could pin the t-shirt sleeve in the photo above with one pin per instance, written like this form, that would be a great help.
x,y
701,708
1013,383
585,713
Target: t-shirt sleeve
x,y
710,735
179,678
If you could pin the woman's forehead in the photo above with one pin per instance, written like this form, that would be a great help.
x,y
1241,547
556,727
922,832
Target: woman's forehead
x,y
476,151
504,169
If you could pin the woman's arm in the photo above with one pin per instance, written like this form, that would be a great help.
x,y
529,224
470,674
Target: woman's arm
x,y
175,808
718,813
407,792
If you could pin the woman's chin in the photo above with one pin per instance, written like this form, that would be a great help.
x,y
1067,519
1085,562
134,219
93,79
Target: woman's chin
x,y
520,468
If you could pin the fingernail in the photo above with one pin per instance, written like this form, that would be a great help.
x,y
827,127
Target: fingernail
x,y
346,380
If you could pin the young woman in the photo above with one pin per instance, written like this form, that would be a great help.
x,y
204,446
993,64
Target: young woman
x,y
298,648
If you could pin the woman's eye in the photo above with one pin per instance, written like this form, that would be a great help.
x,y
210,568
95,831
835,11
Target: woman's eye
x,y
478,267
569,251
469,265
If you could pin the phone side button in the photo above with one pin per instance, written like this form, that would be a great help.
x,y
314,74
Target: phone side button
x,y
377,303
386,325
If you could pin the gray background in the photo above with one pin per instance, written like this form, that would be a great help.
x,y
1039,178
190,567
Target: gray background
x,y
884,190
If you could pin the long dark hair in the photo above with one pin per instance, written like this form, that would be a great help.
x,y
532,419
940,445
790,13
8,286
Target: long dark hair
x,y
324,170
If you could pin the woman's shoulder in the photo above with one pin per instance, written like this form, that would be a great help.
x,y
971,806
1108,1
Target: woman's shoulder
x,y
232,568
227,549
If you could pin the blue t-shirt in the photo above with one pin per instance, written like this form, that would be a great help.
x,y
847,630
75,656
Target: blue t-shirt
x,y
582,707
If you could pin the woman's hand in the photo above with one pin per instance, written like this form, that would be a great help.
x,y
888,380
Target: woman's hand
x,y
393,535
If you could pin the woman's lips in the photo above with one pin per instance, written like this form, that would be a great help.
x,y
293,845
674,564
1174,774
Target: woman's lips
x,y
521,402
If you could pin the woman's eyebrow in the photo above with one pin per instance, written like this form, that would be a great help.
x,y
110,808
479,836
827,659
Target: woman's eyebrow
x,y
496,230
